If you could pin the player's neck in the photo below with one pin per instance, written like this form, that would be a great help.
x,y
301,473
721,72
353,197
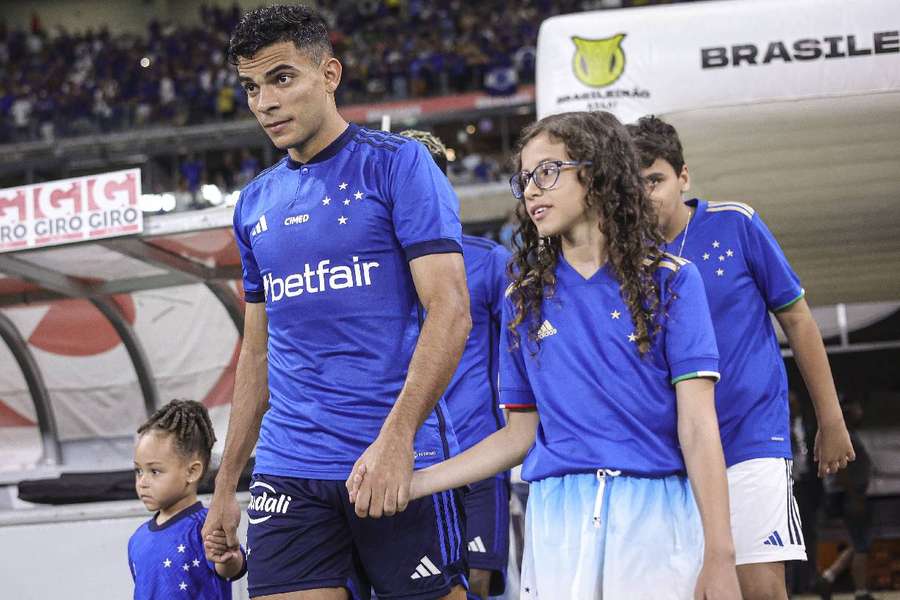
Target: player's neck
x,y
171,511
677,223
330,130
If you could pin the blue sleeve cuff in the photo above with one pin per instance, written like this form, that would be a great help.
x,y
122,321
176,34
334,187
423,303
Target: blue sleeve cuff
x,y
441,246
792,299
254,297
694,368
517,399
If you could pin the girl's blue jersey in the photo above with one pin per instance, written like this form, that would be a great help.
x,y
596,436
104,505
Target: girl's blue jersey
x,y
602,404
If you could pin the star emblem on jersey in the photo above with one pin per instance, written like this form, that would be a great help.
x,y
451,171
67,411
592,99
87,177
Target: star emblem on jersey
x,y
720,272
426,568
632,337
181,548
196,563
343,186
706,256
715,243
729,253
186,567
342,220
358,195
182,586
721,257
167,563
615,314
326,201
347,202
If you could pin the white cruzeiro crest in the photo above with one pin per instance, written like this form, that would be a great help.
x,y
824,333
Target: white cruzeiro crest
x,y
270,501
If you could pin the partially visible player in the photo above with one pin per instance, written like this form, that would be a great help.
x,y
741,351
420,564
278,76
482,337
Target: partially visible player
x,y
166,554
608,361
472,400
747,277
344,243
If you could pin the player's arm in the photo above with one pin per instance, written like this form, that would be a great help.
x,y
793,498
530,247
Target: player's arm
x,y
440,281
698,436
833,448
251,394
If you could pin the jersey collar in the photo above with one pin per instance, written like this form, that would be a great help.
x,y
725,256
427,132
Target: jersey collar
x,y
328,151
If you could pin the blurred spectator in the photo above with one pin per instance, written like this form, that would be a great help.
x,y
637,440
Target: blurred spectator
x,y
193,173
849,499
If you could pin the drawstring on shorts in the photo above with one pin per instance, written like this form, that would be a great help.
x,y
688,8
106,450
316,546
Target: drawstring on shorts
x,y
602,474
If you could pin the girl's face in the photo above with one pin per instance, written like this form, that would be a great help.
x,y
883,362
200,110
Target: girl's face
x,y
162,476
562,208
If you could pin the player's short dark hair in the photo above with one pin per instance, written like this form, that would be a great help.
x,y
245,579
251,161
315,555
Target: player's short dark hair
x,y
188,421
269,25
434,144
654,139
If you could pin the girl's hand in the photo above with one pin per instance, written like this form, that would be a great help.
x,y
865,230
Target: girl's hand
x,y
216,547
717,580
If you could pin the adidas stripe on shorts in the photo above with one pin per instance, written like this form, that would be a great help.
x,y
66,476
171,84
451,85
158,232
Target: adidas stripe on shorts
x,y
765,521
646,544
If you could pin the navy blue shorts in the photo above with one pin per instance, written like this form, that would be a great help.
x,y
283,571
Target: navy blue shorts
x,y
304,534
487,528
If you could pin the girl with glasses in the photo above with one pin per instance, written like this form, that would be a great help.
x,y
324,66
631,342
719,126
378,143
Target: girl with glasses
x,y
608,360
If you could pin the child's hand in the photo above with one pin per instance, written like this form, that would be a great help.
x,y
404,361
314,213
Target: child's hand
x,y
217,549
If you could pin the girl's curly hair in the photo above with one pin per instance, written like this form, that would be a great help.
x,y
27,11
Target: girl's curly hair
x,y
188,421
628,221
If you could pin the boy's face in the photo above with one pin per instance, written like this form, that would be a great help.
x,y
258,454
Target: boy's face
x,y
666,187
288,92
162,476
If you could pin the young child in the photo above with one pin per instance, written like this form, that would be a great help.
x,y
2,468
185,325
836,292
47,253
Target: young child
x,y
166,554
607,365
746,277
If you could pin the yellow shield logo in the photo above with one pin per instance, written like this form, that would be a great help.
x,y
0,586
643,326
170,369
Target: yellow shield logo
x,y
598,63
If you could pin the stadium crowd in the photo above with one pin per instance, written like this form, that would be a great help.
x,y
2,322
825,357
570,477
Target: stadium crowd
x,y
60,83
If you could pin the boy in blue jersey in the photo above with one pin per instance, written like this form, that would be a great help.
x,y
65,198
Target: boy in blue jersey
x,y
607,364
747,276
472,401
343,244
166,554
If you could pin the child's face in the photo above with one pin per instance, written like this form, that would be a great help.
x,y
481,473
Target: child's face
x,y
666,187
162,476
562,208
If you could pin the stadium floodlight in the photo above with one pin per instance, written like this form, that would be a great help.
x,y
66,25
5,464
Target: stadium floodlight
x,y
211,193
150,203
167,202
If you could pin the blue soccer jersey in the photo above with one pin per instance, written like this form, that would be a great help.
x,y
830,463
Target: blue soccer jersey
x,y
326,246
471,395
601,404
168,560
746,275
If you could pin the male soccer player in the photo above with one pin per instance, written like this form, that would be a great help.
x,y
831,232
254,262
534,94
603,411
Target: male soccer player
x,y
746,276
472,400
344,243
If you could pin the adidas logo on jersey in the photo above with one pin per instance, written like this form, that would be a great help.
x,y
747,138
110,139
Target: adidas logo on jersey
x,y
265,503
477,545
426,568
321,279
260,226
546,330
774,540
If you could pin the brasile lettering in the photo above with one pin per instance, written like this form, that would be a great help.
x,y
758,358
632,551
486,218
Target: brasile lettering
x,y
322,278
829,47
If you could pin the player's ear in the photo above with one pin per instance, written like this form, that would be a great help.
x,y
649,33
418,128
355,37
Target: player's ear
x,y
684,178
194,471
332,69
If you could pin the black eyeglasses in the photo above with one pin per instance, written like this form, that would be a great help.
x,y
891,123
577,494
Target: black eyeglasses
x,y
545,176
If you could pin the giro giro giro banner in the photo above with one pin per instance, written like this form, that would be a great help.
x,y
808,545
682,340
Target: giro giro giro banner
x,y
70,210
658,60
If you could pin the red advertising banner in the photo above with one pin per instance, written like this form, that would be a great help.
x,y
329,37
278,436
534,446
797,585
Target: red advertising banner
x,y
70,210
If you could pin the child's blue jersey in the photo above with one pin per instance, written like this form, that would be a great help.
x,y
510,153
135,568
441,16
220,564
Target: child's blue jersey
x,y
601,404
326,246
746,275
472,393
168,560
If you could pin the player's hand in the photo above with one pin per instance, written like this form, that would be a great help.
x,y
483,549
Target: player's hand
x,y
717,580
384,472
221,523
833,448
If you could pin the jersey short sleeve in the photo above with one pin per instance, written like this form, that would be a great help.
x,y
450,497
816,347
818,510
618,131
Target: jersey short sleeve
x,y
690,339
425,208
777,281
515,389
253,285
